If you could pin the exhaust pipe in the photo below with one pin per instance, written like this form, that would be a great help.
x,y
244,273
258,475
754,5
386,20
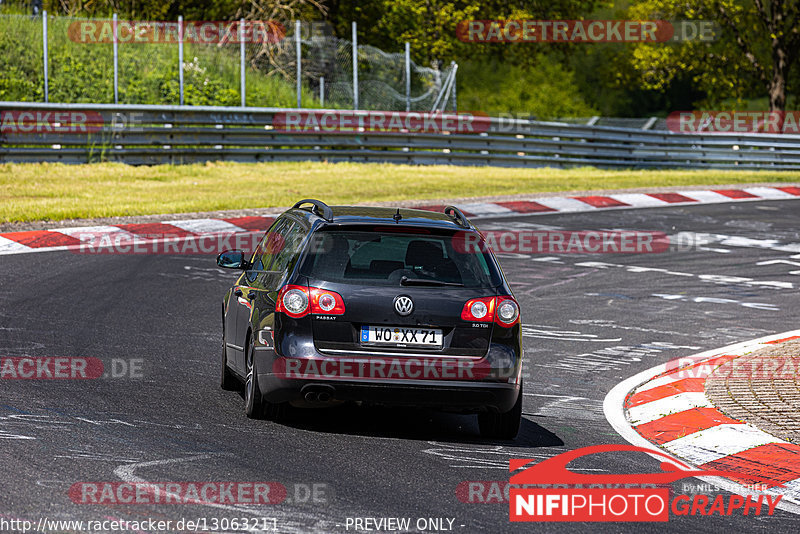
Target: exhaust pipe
x,y
313,393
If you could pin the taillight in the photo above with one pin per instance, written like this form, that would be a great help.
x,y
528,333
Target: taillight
x,y
479,310
326,302
299,301
501,310
293,301
507,311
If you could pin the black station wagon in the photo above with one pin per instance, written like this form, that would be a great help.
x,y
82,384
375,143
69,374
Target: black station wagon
x,y
382,306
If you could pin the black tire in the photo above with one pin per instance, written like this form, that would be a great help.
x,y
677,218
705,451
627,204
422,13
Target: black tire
x,y
502,425
227,380
253,405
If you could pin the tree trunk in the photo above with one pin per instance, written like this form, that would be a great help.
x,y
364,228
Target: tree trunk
x,y
777,85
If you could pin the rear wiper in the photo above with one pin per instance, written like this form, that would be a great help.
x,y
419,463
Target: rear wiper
x,y
406,281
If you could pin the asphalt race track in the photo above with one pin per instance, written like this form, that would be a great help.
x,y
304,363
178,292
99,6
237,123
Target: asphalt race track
x,y
590,322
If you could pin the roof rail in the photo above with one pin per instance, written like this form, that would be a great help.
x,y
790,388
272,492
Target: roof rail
x,y
458,217
319,208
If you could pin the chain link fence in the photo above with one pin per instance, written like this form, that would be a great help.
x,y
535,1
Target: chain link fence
x,y
385,81
222,64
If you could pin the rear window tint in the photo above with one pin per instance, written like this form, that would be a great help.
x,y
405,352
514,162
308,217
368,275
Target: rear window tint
x,y
383,258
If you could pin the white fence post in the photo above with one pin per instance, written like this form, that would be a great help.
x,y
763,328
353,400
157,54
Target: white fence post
x,y
455,74
355,67
180,56
116,60
241,62
408,76
299,60
44,56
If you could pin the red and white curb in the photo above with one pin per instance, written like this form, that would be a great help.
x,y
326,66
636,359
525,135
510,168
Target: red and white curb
x,y
549,205
72,238
665,408
76,238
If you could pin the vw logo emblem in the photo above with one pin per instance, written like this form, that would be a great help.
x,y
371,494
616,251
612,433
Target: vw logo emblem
x,y
403,305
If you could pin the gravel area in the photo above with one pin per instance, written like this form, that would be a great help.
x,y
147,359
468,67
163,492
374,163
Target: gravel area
x,y
761,388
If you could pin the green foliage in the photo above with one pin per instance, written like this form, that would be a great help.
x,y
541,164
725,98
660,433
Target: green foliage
x,y
756,48
429,25
545,91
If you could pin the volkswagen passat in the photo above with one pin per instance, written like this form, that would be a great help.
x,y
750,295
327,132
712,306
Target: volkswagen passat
x,y
374,305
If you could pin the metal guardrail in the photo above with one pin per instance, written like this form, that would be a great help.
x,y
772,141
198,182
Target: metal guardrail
x,y
146,135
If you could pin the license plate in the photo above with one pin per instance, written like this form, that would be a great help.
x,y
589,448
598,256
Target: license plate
x,y
399,336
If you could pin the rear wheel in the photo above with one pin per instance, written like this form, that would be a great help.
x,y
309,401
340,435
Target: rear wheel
x,y
502,425
253,407
227,381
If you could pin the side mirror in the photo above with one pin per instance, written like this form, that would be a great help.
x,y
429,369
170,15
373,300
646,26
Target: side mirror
x,y
232,259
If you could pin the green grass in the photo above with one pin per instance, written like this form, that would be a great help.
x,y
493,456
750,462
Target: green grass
x,y
46,191
148,73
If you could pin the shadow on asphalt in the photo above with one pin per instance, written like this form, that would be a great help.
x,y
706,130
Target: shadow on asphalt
x,y
412,423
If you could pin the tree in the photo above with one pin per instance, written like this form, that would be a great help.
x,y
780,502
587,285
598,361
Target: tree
x,y
756,47
429,25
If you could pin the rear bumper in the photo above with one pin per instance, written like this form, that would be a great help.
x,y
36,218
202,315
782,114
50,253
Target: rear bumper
x,y
444,395
450,386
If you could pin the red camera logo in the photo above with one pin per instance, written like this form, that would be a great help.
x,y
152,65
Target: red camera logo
x,y
626,500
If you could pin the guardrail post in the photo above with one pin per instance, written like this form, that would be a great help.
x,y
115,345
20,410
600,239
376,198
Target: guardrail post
x,y
241,61
355,67
650,122
180,56
116,60
298,59
408,76
44,56
322,90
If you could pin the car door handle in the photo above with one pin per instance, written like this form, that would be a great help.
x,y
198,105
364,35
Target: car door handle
x,y
238,292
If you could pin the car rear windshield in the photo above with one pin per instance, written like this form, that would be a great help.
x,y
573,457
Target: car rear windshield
x,y
397,257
